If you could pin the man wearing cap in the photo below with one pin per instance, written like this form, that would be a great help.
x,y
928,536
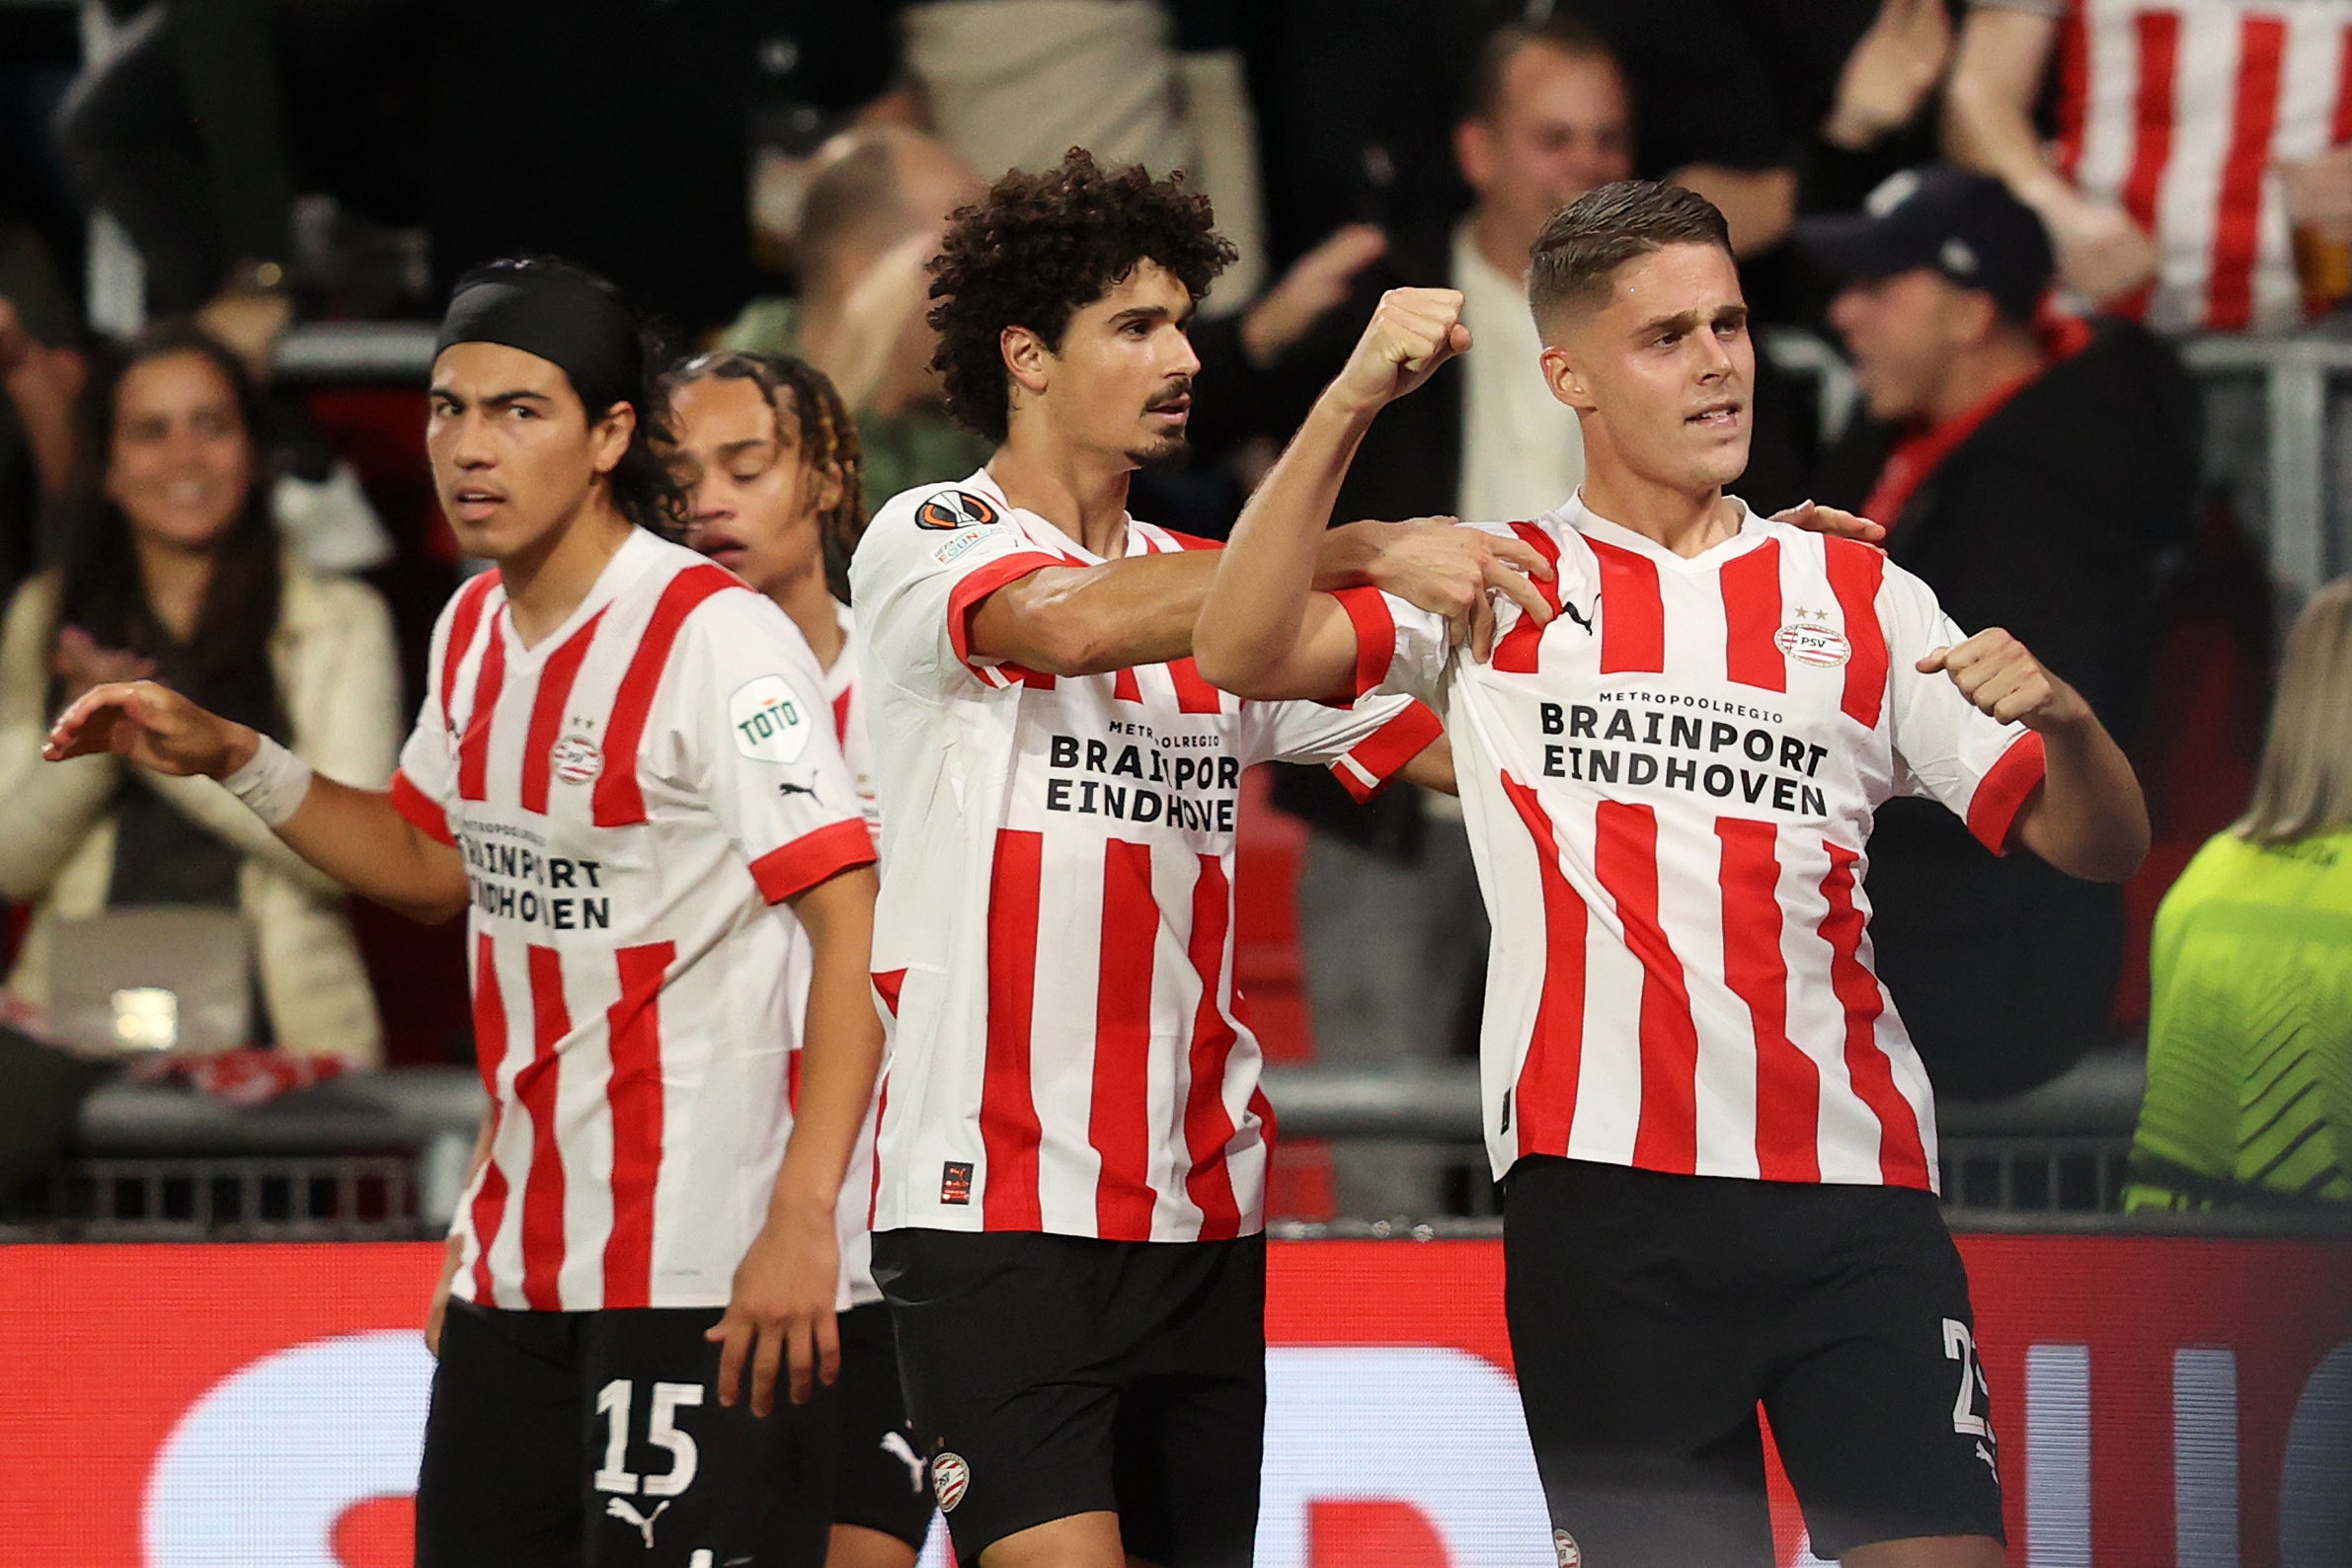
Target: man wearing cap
x,y
623,773
2031,468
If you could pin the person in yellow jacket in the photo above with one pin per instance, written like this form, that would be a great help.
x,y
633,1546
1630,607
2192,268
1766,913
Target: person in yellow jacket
x,y
178,574
2250,1031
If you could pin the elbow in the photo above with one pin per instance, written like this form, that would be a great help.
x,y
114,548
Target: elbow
x,y
1231,663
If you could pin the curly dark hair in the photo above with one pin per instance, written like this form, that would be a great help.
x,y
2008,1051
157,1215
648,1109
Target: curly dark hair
x,y
1039,248
828,434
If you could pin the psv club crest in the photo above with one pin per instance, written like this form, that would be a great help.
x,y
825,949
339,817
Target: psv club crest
x,y
951,509
1810,639
575,759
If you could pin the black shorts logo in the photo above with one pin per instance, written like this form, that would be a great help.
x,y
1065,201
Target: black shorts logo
x,y
955,508
955,1182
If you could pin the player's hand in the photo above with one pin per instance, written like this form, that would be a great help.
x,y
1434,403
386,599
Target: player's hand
x,y
780,1313
1814,517
153,726
1413,331
1999,677
437,1312
1893,68
1448,569
2101,252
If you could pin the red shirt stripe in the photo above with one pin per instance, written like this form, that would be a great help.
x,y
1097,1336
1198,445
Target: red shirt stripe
x,y
619,799
1119,1122
1208,1128
2002,793
2339,130
1625,860
1009,1126
2157,35
1751,615
490,1052
841,714
1546,1094
1194,694
2073,91
421,809
1788,1081
473,748
462,624
1516,653
1124,687
635,1098
1902,1153
547,713
790,870
887,985
1856,571
2238,222
535,1088
1632,612
1376,638
965,599
1389,747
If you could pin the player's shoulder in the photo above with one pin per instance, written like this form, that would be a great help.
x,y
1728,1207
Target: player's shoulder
x,y
940,507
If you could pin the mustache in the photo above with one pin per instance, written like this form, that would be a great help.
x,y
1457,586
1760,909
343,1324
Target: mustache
x,y
1176,393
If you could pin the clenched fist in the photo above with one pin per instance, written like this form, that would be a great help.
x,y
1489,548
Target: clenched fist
x,y
1995,673
1411,333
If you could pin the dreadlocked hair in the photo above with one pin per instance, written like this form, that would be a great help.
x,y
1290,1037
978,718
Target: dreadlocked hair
x,y
826,435
1037,248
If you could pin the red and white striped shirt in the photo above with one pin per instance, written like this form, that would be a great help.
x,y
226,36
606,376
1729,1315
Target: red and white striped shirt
x,y
631,795
1668,790
2179,112
1056,927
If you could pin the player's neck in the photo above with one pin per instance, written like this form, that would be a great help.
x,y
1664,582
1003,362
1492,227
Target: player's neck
x,y
1686,523
807,600
546,581
1080,493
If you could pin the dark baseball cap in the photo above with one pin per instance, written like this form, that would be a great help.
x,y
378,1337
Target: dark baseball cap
x,y
1966,226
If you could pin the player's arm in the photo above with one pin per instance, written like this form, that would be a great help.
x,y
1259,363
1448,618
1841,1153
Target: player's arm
x,y
1432,769
2087,817
1087,620
453,1249
1263,633
781,1313
355,836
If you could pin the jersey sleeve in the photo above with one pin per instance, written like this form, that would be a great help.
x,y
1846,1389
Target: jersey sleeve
x,y
748,730
1364,743
1946,748
1400,648
925,563
426,779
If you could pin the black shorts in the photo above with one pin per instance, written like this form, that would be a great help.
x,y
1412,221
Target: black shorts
x,y
883,1483
1051,1375
562,1439
1650,1314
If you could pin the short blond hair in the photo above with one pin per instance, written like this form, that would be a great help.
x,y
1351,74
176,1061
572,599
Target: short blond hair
x,y
2304,783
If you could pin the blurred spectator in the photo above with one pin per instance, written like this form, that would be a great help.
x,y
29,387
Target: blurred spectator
x,y
617,133
876,201
1392,927
177,575
40,377
198,130
2249,1032
1014,84
2031,472
2202,149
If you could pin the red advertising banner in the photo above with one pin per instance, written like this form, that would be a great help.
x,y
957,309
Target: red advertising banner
x,y
2159,1402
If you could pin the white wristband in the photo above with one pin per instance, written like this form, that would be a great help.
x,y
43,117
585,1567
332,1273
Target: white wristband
x,y
271,784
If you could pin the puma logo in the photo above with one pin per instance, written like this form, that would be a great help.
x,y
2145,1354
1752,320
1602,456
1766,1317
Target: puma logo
x,y
897,1447
621,1508
1571,612
808,790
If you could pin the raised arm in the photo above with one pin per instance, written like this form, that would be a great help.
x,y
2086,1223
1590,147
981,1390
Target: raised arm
x,y
1263,631
2087,817
355,836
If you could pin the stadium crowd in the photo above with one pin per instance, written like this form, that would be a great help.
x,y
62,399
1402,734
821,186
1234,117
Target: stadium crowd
x,y
748,632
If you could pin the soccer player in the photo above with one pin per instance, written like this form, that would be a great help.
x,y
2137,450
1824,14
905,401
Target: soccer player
x,y
1718,1145
1068,1224
621,764
769,461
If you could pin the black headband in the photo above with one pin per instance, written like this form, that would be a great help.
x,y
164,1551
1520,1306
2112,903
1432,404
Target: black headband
x,y
561,316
